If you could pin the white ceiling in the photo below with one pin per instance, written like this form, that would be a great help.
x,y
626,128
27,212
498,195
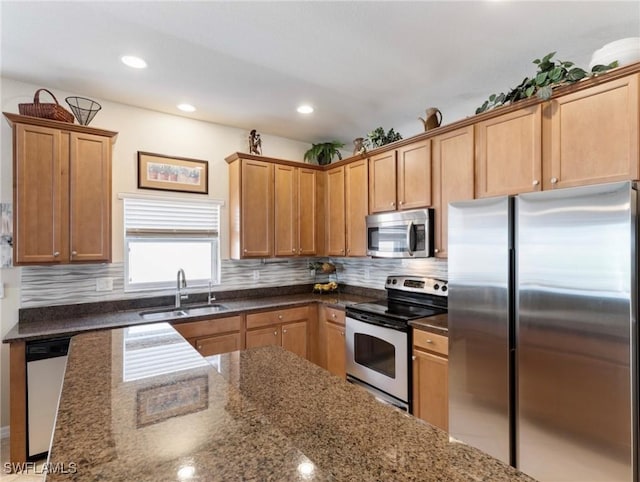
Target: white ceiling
x,y
249,64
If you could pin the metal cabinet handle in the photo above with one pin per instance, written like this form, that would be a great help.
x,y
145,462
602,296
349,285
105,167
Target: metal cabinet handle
x,y
279,317
554,180
348,250
245,250
284,331
429,341
73,253
300,251
199,347
275,333
413,358
436,250
293,250
535,182
333,315
56,254
342,333
393,203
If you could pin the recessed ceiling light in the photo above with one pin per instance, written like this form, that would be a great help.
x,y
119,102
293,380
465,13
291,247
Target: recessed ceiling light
x,y
305,109
186,107
134,62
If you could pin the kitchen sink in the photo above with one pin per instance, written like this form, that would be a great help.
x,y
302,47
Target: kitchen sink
x,y
173,313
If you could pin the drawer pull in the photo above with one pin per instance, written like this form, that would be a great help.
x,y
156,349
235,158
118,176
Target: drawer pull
x,y
284,331
333,315
279,317
342,333
275,333
56,254
429,340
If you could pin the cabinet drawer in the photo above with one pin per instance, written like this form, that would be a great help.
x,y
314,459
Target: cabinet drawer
x,y
214,345
431,342
198,329
334,315
273,317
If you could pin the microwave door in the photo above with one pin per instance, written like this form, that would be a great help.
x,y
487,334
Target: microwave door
x,y
392,239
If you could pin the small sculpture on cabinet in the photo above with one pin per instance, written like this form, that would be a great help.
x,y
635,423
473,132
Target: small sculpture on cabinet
x,y
255,143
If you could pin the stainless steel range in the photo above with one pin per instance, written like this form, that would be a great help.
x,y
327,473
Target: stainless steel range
x,y
378,336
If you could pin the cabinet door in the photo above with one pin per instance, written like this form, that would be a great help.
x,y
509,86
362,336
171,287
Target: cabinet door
x,y
214,345
335,212
264,337
509,153
356,203
414,175
294,338
591,136
89,198
307,212
431,388
452,178
382,182
40,182
335,349
285,210
256,212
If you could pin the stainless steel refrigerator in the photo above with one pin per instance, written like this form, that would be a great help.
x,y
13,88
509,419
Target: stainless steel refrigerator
x,y
542,331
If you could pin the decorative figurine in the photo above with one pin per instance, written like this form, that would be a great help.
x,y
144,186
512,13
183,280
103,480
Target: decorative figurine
x,y
432,119
255,143
358,146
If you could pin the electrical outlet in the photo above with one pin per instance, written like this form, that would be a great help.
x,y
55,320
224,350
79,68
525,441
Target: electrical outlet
x,y
367,272
104,284
256,275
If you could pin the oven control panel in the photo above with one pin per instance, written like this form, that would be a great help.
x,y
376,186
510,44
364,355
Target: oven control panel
x,y
418,284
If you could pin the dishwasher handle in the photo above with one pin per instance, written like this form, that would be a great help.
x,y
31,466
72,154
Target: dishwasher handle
x,y
50,348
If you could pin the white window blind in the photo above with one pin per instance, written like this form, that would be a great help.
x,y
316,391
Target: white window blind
x,y
168,216
163,236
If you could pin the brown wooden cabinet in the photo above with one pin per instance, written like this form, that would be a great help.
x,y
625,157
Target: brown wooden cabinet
x,y
453,178
286,327
592,135
295,208
251,208
431,378
509,153
401,178
62,194
332,340
347,206
215,336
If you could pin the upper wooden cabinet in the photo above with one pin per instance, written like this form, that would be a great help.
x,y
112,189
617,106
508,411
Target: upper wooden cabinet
x,y
296,206
401,179
274,207
509,153
453,180
347,207
591,136
62,192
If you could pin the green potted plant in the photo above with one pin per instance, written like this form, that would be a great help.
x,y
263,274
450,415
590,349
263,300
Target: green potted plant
x,y
323,153
378,138
550,74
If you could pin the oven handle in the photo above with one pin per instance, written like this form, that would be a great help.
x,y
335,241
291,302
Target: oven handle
x,y
409,233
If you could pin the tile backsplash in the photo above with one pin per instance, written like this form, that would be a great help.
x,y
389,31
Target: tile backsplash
x,y
70,284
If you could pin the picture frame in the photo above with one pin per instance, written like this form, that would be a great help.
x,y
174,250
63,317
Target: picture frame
x,y
157,403
171,173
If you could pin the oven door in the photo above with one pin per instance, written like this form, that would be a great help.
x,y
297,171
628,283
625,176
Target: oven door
x,y
379,357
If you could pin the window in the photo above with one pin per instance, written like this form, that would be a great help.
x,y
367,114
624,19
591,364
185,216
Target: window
x,y
165,235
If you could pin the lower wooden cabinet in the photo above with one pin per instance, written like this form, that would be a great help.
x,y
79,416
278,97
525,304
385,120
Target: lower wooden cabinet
x,y
212,337
332,341
431,378
287,327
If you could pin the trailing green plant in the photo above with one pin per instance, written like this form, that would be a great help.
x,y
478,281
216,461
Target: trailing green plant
x,y
550,74
377,137
324,152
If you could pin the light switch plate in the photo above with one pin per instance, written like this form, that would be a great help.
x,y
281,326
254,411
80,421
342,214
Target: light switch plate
x,y
104,284
256,275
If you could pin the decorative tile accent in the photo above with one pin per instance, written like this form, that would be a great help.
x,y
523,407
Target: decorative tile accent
x,y
71,284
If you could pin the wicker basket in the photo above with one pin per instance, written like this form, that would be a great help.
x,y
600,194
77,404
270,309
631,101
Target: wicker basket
x,y
46,110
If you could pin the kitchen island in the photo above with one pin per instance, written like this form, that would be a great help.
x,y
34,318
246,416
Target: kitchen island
x,y
142,404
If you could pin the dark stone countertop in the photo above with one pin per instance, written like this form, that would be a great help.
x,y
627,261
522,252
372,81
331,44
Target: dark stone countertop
x,y
52,322
434,324
259,414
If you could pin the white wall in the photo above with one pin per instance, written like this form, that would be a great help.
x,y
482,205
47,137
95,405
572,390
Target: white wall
x,y
139,130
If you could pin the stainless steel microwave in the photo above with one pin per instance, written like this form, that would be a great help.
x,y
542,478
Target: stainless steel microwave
x,y
400,234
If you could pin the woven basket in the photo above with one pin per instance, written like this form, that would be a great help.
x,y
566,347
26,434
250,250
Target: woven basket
x,y
46,110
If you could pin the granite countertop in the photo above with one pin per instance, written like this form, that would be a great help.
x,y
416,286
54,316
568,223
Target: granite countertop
x,y
47,326
437,324
259,414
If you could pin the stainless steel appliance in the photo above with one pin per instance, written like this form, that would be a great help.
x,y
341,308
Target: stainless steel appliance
x,y
400,234
542,331
378,336
46,363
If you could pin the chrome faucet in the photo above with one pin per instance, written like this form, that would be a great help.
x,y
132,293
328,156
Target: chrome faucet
x,y
179,286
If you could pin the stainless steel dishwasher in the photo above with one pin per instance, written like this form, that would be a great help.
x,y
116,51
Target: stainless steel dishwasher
x,y
46,362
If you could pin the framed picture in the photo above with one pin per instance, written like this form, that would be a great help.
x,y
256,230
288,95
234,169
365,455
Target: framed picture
x,y
161,402
167,173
